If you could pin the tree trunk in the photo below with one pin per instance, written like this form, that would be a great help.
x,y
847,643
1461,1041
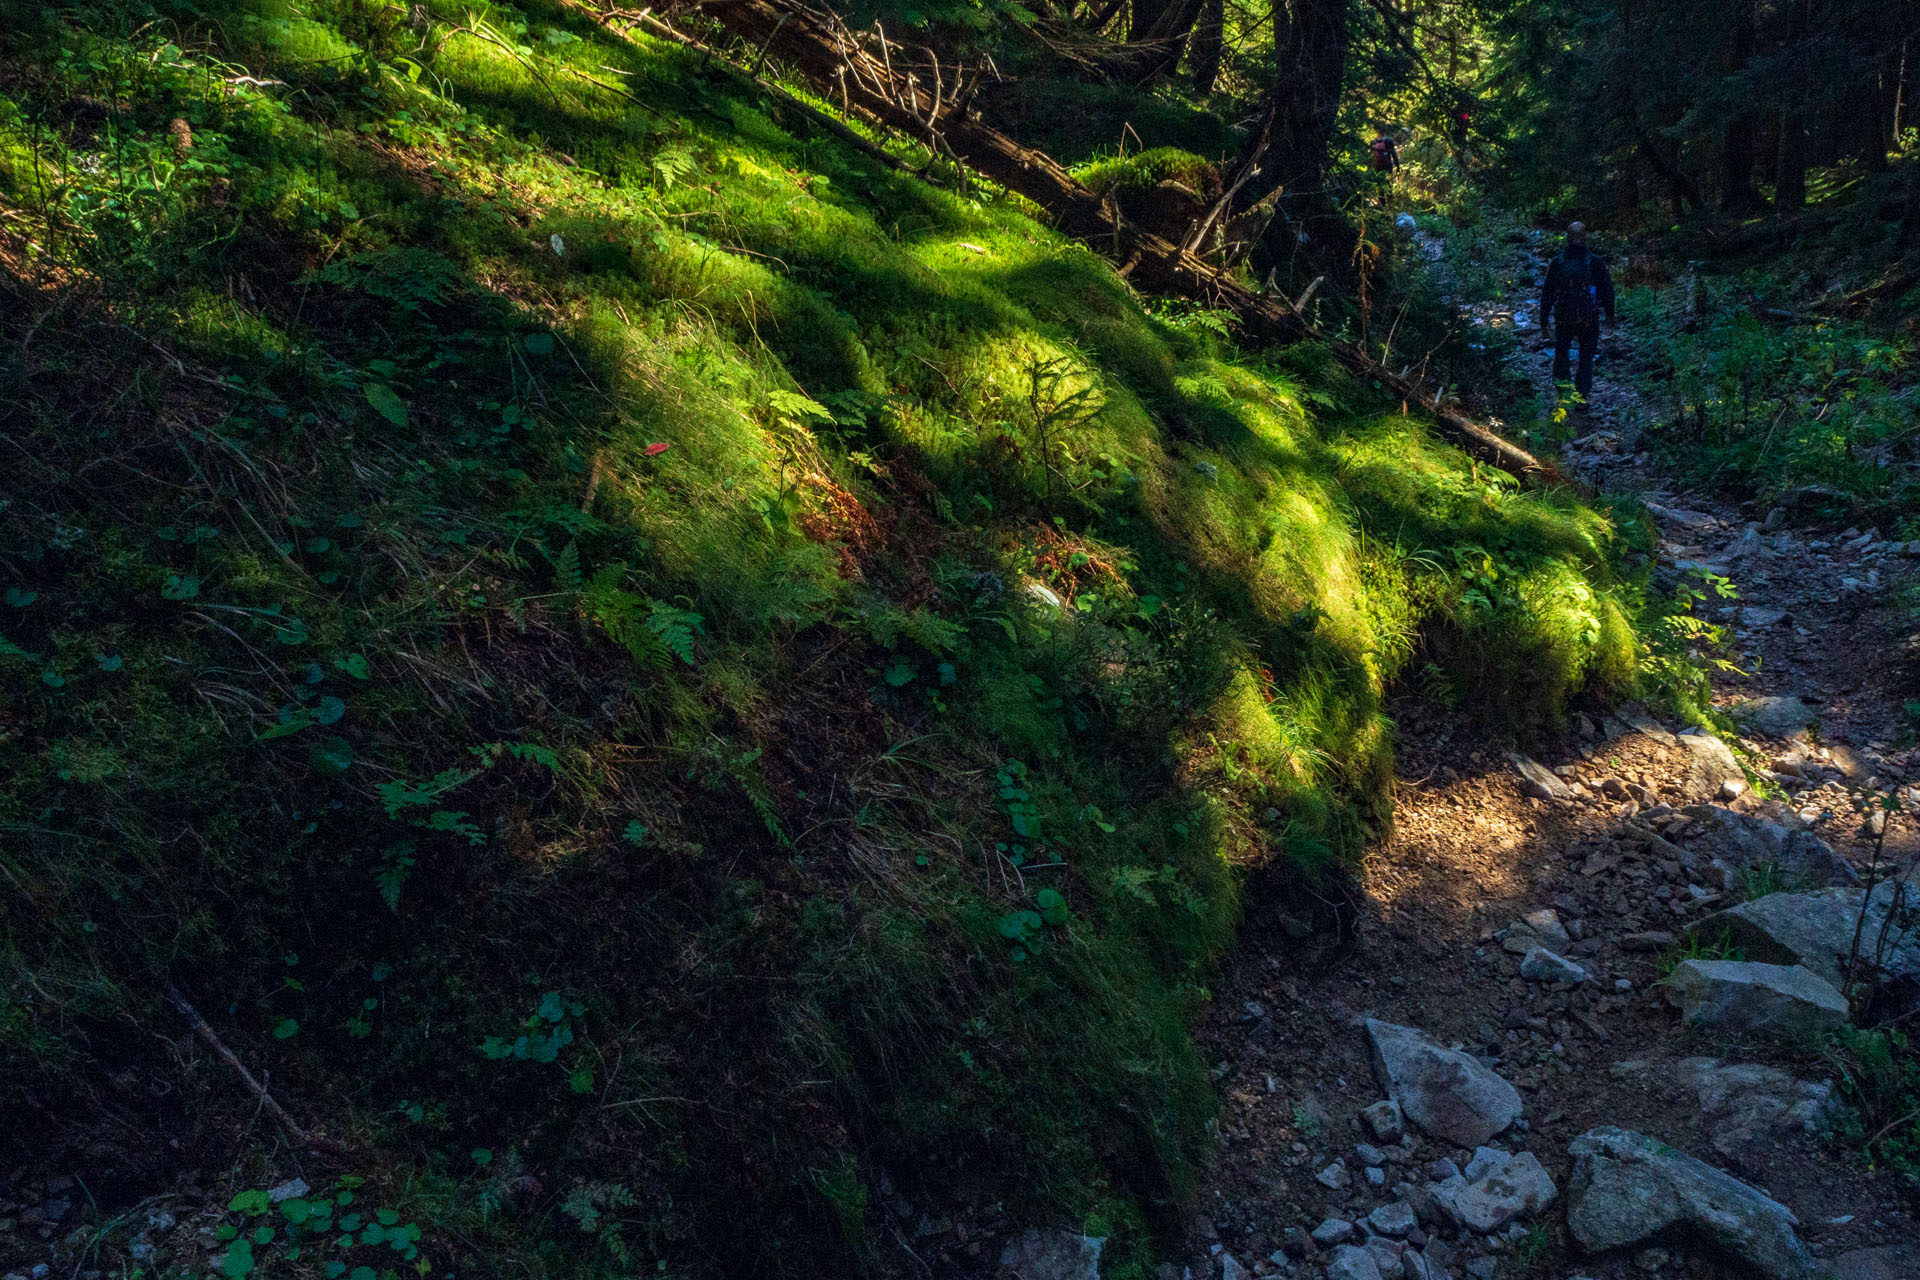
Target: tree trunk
x,y
1790,181
1096,19
1157,35
1737,145
1874,103
1686,195
1790,166
1310,51
1204,51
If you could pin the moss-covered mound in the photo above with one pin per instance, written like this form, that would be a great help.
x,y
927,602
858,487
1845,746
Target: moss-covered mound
x,y
646,672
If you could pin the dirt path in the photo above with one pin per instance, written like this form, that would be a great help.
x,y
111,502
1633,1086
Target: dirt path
x,y
1624,861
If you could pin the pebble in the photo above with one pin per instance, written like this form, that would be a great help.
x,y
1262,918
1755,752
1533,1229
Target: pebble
x,y
1385,1120
1333,1231
1395,1219
1353,1263
1335,1176
1542,965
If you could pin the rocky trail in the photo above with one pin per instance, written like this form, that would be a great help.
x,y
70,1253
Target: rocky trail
x,y
1493,1078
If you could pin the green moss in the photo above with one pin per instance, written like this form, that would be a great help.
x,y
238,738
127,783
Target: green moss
x,y
1125,175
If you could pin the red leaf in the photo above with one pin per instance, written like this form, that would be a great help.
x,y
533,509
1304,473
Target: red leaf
x,y
658,447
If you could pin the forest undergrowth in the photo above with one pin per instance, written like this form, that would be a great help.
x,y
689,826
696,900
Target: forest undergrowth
x,y
1789,369
647,672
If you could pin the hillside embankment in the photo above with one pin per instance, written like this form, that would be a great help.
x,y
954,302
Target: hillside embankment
x,y
587,663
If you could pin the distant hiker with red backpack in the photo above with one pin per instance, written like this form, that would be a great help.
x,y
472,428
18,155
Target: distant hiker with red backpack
x,y
1383,154
1578,292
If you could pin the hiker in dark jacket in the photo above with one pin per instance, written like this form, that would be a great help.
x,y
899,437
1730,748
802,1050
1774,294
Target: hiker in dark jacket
x,y
1578,292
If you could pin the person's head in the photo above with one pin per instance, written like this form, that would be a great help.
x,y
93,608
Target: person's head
x,y
1577,236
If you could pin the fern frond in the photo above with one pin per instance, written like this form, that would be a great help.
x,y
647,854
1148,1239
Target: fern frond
x,y
566,568
675,628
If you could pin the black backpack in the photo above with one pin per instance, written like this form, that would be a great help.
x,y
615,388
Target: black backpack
x,y
1578,302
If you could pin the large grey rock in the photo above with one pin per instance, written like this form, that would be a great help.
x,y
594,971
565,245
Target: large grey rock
x,y
1746,1105
1053,1255
1537,780
1710,764
1350,1262
1783,718
1817,930
1628,1190
1445,1093
1741,842
1751,998
1507,1187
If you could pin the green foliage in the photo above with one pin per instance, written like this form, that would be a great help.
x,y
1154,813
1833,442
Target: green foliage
x,y
1696,946
1763,878
1679,648
332,1233
1761,407
548,1030
1879,1076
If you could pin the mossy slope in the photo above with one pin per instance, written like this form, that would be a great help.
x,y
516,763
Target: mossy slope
x,y
857,786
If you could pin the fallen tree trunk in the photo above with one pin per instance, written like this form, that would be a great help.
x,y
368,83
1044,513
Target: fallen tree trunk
x,y
921,101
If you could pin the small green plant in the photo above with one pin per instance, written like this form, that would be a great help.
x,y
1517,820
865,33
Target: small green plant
x,y
1764,878
1879,1076
330,1234
1058,400
547,1031
1529,1251
595,1208
1696,946
1024,928
1022,813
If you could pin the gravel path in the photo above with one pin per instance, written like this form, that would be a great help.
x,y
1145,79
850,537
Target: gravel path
x,y
1623,854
